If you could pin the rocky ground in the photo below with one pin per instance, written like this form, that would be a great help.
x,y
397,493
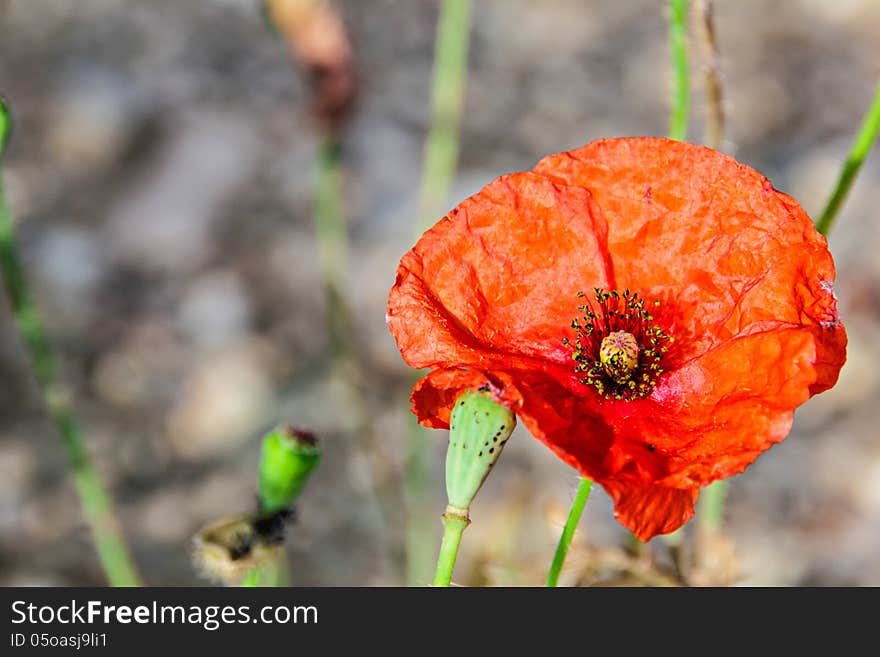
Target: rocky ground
x,y
161,174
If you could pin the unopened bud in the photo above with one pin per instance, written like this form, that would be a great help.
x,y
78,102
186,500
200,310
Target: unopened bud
x,y
288,457
478,430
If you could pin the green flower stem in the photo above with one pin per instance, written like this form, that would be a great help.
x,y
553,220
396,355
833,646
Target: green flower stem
x,y
710,510
331,232
678,119
714,93
858,153
418,484
455,521
709,520
332,241
266,576
574,517
96,505
438,171
447,98
254,578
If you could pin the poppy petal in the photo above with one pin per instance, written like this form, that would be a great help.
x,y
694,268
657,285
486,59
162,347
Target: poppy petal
x,y
648,510
712,417
499,275
693,226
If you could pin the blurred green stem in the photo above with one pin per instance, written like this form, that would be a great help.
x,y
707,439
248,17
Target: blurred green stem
x,y
709,519
447,100
857,155
710,508
417,498
291,20
574,517
332,240
678,119
438,170
710,511
714,94
254,578
96,505
295,21
331,233
268,575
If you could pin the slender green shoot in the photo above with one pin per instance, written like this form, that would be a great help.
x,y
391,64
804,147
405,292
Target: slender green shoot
x,y
453,527
711,65
710,508
254,578
266,576
574,517
710,514
331,235
331,232
447,99
709,520
97,508
864,140
418,485
678,119
438,171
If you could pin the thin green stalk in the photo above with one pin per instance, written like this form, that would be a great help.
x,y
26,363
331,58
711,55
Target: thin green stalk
x,y
331,232
574,517
291,18
714,93
453,527
254,578
447,99
858,153
96,505
710,513
265,576
710,508
678,119
418,485
438,170
709,519
331,236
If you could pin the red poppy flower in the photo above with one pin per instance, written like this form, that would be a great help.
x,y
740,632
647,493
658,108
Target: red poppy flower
x,y
653,311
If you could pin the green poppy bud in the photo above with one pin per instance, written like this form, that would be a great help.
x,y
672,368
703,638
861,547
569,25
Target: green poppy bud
x,y
478,430
288,457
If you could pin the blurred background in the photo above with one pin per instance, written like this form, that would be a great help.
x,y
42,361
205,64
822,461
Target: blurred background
x,y
161,177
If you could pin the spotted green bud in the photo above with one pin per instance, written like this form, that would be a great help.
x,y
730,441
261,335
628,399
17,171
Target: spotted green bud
x,y
479,429
5,125
288,457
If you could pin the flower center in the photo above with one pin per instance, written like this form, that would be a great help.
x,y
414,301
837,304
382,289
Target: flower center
x,y
619,355
618,349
